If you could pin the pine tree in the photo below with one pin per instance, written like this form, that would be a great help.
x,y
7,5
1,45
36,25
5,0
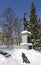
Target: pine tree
x,y
33,22
39,29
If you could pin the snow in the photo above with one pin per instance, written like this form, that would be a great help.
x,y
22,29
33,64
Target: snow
x,y
26,43
16,57
2,58
26,32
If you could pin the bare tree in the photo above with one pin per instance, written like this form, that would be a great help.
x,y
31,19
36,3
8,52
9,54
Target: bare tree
x,y
8,18
17,28
11,24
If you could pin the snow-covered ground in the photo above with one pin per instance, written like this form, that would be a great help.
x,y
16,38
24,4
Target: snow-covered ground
x,y
16,57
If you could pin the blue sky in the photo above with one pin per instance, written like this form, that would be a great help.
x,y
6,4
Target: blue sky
x,y
21,6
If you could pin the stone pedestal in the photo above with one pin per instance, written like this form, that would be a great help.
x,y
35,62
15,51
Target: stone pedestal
x,y
26,43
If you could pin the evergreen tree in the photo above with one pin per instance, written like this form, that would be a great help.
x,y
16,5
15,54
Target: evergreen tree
x,y
33,22
39,29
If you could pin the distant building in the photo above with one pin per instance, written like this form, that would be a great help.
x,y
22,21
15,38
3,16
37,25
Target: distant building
x,y
4,39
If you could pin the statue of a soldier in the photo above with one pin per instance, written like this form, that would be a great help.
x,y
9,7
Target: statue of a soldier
x,y
25,22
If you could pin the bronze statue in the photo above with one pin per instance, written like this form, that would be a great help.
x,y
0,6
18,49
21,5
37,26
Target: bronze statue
x,y
25,22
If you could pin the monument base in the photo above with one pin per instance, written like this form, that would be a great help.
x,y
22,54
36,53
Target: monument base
x,y
26,46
